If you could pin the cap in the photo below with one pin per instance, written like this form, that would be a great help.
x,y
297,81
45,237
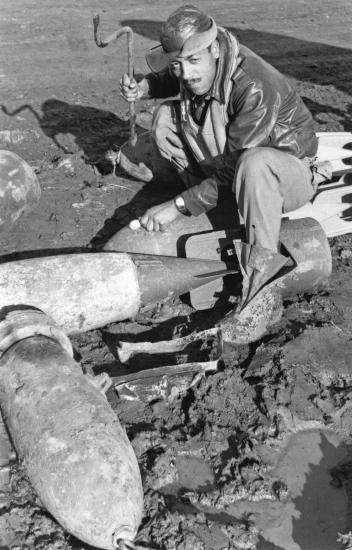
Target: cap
x,y
186,31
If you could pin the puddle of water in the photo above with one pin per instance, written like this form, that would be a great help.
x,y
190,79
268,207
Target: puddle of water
x,y
187,472
193,473
320,504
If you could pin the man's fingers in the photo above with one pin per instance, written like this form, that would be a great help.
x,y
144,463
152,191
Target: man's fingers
x,y
175,152
125,81
179,154
128,83
164,153
174,140
170,145
150,225
172,152
144,220
128,88
167,134
159,217
148,222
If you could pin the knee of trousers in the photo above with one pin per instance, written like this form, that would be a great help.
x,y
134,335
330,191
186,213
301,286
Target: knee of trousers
x,y
254,165
255,160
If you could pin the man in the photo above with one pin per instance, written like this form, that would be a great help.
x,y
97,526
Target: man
x,y
233,121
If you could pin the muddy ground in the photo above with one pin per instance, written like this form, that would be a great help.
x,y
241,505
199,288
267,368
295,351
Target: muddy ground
x,y
258,455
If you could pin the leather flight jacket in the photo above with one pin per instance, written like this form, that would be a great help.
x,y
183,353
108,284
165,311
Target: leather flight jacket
x,y
251,105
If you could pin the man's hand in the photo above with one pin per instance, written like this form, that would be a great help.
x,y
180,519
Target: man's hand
x,y
159,217
165,136
130,89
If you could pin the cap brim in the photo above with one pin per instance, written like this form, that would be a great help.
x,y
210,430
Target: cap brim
x,y
158,60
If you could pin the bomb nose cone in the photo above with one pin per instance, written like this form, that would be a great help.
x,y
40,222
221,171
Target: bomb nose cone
x,y
166,276
19,188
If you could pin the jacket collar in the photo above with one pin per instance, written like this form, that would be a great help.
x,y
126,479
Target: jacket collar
x,y
228,56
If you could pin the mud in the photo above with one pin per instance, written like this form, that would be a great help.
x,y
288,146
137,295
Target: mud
x,y
257,455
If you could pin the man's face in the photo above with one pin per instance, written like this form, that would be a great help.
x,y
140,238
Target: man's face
x,y
197,71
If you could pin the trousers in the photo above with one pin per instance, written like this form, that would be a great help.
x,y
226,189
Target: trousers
x,y
267,183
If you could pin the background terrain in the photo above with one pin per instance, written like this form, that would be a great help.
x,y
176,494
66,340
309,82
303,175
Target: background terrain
x,y
216,460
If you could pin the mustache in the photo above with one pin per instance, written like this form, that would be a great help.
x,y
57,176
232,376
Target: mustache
x,y
191,80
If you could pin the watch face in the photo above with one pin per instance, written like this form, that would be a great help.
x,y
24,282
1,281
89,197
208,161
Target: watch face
x,y
180,203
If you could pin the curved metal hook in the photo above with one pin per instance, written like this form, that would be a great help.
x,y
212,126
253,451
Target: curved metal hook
x,y
114,36
102,44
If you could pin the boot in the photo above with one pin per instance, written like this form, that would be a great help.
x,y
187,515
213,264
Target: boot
x,y
261,304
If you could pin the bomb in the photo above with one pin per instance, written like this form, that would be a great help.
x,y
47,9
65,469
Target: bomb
x,y
89,290
76,454
19,188
171,242
303,241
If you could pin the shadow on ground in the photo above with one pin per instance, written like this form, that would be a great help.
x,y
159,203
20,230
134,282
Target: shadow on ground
x,y
88,129
316,527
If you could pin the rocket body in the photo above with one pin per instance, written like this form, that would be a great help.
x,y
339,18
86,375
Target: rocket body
x,y
76,454
86,291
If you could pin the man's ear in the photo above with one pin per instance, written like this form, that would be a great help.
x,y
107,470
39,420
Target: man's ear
x,y
215,49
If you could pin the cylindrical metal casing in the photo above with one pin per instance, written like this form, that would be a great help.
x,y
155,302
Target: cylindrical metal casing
x,y
171,242
79,291
77,456
86,291
19,188
305,241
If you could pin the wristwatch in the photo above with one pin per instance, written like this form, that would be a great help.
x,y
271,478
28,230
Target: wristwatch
x,y
180,205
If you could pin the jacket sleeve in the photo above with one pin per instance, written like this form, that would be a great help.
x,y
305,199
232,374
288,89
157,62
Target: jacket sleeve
x,y
162,85
253,111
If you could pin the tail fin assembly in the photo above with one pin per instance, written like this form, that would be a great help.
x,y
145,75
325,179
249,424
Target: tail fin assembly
x,y
331,207
335,146
332,204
